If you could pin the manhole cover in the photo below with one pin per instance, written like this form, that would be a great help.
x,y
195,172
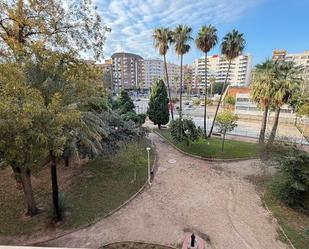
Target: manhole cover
x,y
172,161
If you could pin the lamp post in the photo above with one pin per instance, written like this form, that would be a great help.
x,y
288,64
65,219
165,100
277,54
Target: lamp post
x,y
148,155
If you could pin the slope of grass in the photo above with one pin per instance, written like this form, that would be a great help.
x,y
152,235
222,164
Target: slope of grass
x,y
91,190
293,222
211,148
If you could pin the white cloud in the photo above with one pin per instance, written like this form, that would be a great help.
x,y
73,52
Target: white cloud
x,y
132,21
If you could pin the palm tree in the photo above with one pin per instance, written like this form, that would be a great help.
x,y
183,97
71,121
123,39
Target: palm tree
x,y
262,90
206,39
181,38
232,46
286,86
162,40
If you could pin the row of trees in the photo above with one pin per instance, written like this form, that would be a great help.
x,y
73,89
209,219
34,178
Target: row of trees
x,y
232,46
53,104
275,84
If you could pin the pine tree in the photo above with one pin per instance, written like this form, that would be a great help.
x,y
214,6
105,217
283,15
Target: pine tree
x,y
158,104
125,103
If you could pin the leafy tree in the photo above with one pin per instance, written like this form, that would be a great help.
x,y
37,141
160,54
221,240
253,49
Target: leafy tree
x,y
226,121
181,38
232,46
163,38
206,39
184,130
158,104
26,25
230,100
22,141
286,86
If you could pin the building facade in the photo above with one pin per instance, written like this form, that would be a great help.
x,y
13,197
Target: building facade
x,y
128,71
154,69
217,67
300,59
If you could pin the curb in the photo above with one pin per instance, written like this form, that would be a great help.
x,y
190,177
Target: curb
x,y
37,243
205,158
137,242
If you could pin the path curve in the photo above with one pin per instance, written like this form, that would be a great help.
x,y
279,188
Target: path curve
x,y
210,197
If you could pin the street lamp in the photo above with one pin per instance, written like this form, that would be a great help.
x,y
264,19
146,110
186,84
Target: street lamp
x,y
148,154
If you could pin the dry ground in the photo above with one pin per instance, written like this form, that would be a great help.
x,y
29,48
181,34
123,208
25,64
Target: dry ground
x,y
189,194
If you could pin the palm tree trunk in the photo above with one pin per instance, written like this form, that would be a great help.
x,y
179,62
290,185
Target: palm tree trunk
x,y
180,95
55,191
275,126
218,105
263,127
168,88
205,99
25,178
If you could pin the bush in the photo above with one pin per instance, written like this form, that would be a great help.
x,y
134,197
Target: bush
x,y
291,185
138,119
196,102
184,130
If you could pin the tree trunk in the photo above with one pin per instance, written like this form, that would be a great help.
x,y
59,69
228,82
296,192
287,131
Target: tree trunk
x,y
264,124
159,126
180,95
218,105
25,178
223,140
205,98
55,192
168,88
275,126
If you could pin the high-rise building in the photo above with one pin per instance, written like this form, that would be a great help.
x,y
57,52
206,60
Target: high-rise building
x,y
300,59
154,69
278,55
128,71
217,66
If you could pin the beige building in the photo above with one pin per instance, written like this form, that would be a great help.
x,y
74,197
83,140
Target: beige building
x,y
300,59
128,71
217,66
153,70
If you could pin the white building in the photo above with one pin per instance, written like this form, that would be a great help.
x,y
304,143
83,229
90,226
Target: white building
x,y
154,69
217,66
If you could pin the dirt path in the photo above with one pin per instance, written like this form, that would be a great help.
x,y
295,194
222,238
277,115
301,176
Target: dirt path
x,y
187,193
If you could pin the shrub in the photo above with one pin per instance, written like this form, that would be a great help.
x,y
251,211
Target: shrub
x,y
184,130
138,119
196,102
291,185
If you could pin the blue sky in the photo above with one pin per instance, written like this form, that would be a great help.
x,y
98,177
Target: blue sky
x,y
267,24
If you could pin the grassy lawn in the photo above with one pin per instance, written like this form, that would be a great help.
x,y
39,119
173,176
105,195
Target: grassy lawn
x,y
134,245
292,221
232,148
92,191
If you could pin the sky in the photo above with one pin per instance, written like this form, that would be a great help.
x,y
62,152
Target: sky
x,y
266,24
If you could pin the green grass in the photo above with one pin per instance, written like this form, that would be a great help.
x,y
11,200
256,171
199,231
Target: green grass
x,y
211,148
292,221
93,191
107,182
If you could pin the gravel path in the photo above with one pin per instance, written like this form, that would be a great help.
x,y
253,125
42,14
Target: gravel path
x,y
189,194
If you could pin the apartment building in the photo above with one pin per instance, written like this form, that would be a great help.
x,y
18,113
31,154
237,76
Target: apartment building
x,y
154,69
300,59
128,70
217,67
